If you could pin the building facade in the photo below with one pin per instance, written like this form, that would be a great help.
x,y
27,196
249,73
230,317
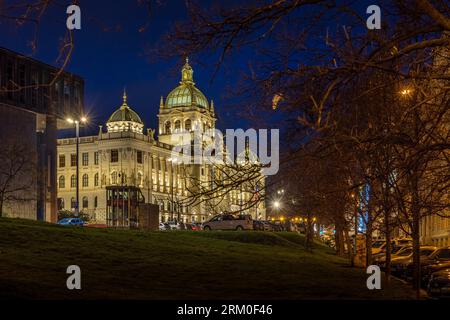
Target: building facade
x,y
125,155
34,100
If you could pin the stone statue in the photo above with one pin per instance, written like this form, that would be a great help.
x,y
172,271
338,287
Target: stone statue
x,y
151,134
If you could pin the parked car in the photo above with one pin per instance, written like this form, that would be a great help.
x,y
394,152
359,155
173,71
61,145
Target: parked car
x,y
435,262
229,222
162,226
261,225
71,222
380,258
173,225
196,226
401,263
439,284
378,246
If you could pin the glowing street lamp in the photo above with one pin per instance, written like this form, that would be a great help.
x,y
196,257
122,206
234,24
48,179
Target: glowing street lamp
x,y
77,133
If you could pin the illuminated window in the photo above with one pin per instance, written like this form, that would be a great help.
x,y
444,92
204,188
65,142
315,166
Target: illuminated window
x,y
177,125
114,177
188,125
85,159
62,161
85,180
85,203
62,182
167,127
73,160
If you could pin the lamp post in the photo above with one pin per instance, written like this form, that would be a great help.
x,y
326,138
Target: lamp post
x,y
277,206
77,184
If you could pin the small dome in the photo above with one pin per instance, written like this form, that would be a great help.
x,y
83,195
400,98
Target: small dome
x,y
124,119
186,94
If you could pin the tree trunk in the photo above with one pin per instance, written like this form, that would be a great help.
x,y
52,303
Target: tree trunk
x,y
388,246
369,232
349,246
309,235
416,237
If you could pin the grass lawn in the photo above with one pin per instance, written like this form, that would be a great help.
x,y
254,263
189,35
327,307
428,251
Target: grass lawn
x,y
174,265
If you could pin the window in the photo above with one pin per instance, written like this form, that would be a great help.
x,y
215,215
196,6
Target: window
x,y
85,203
60,203
114,155
62,182
73,160
96,180
96,202
85,180
85,159
73,181
114,177
73,203
96,158
188,125
139,156
62,161
177,125
167,127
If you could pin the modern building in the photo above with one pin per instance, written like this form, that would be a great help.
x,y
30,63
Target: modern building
x,y
34,100
126,155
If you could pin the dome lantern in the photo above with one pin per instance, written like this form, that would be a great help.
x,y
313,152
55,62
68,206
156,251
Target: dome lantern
x,y
186,94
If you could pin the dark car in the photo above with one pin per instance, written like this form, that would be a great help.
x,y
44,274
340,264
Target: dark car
x,y
439,284
435,262
400,265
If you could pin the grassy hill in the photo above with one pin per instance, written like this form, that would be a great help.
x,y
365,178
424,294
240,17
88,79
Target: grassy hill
x,y
173,265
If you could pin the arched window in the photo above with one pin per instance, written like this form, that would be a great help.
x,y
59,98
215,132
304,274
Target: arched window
x,y
85,180
62,182
60,203
73,203
188,125
177,126
167,127
85,203
95,202
73,181
114,177
96,180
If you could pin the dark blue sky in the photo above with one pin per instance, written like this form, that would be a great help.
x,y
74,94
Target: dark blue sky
x,y
111,53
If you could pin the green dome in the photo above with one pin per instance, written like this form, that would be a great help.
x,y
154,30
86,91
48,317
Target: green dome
x,y
125,119
186,94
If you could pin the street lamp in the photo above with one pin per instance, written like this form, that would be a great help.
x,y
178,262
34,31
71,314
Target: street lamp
x,y
277,206
77,134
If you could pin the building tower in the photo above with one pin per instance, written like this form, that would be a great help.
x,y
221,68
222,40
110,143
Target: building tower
x,y
186,109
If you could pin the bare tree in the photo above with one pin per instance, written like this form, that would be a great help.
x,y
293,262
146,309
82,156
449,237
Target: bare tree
x,y
16,175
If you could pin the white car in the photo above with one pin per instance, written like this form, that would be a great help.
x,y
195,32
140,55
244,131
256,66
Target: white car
x,y
162,226
173,225
229,222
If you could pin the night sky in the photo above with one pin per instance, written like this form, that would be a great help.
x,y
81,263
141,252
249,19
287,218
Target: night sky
x,y
113,50
112,53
